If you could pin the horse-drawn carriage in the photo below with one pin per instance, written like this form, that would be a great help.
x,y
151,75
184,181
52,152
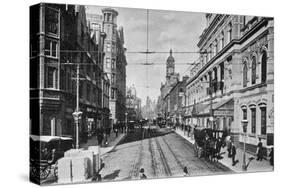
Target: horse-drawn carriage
x,y
208,142
44,154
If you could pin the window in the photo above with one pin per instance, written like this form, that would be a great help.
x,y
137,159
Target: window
x,y
113,64
216,47
108,17
113,79
50,48
229,33
108,63
245,74
212,50
263,66
244,110
108,47
222,40
263,120
222,71
52,78
253,124
254,70
52,21
209,54
112,93
244,116
47,47
54,49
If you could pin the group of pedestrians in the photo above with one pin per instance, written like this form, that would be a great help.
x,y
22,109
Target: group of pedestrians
x,y
231,149
103,134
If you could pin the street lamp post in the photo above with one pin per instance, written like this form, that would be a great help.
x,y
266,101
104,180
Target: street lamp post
x,y
244,125
126,121
77,114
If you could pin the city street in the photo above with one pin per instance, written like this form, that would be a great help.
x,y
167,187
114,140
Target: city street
x,y
161,153
97,82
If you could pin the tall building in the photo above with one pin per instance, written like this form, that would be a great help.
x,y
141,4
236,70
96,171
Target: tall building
x,y
121,64
231,84
171,79
60,40
115,64
148,110
95,22
110,28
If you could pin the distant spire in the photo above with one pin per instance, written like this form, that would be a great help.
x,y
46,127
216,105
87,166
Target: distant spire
x,y
171,52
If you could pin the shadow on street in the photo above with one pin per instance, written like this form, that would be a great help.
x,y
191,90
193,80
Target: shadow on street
x,y
141,134
112,176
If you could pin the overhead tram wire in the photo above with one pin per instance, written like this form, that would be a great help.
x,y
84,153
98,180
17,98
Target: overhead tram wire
x,y
142,52
146,54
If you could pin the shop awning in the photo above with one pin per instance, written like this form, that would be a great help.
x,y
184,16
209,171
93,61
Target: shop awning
x,y
224,108
226,104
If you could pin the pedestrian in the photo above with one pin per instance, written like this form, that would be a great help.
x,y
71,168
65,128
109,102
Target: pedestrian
x,y
116,131
259,150
271,155
142,175
185,171
233,153
100,137
229,148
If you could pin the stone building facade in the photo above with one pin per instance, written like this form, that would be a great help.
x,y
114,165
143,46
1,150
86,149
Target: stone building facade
x,y
115,65
121,63
60,40
233,78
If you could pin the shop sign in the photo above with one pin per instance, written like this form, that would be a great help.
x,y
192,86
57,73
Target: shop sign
x,y
223,113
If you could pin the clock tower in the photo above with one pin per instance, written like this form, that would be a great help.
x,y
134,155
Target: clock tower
x,y
170,65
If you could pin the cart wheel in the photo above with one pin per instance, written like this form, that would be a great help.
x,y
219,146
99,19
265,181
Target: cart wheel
x,y
44,172
56,171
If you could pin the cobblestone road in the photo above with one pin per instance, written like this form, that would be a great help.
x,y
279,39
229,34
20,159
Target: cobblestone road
x,y
161,152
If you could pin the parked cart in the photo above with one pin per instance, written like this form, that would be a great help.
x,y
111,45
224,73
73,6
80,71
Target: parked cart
x,y
44,154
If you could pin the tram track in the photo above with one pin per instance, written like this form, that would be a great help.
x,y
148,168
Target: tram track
x,y
135,167
153,156
173,153
163,158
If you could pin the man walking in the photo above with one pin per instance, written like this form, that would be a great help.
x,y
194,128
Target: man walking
x,y
233,153
116,130
100,137
259,151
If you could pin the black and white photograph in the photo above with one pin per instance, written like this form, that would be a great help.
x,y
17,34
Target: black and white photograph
x,y
118,94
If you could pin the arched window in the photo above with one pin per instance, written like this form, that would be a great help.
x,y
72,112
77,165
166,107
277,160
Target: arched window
x,y
212,50
222,40
263,66
245,74
216,46
254,72
229,33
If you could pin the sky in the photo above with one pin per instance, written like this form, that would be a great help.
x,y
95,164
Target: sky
x,y
174,30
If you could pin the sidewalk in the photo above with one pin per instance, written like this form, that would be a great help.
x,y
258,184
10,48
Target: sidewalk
x,y
254,166
112,142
